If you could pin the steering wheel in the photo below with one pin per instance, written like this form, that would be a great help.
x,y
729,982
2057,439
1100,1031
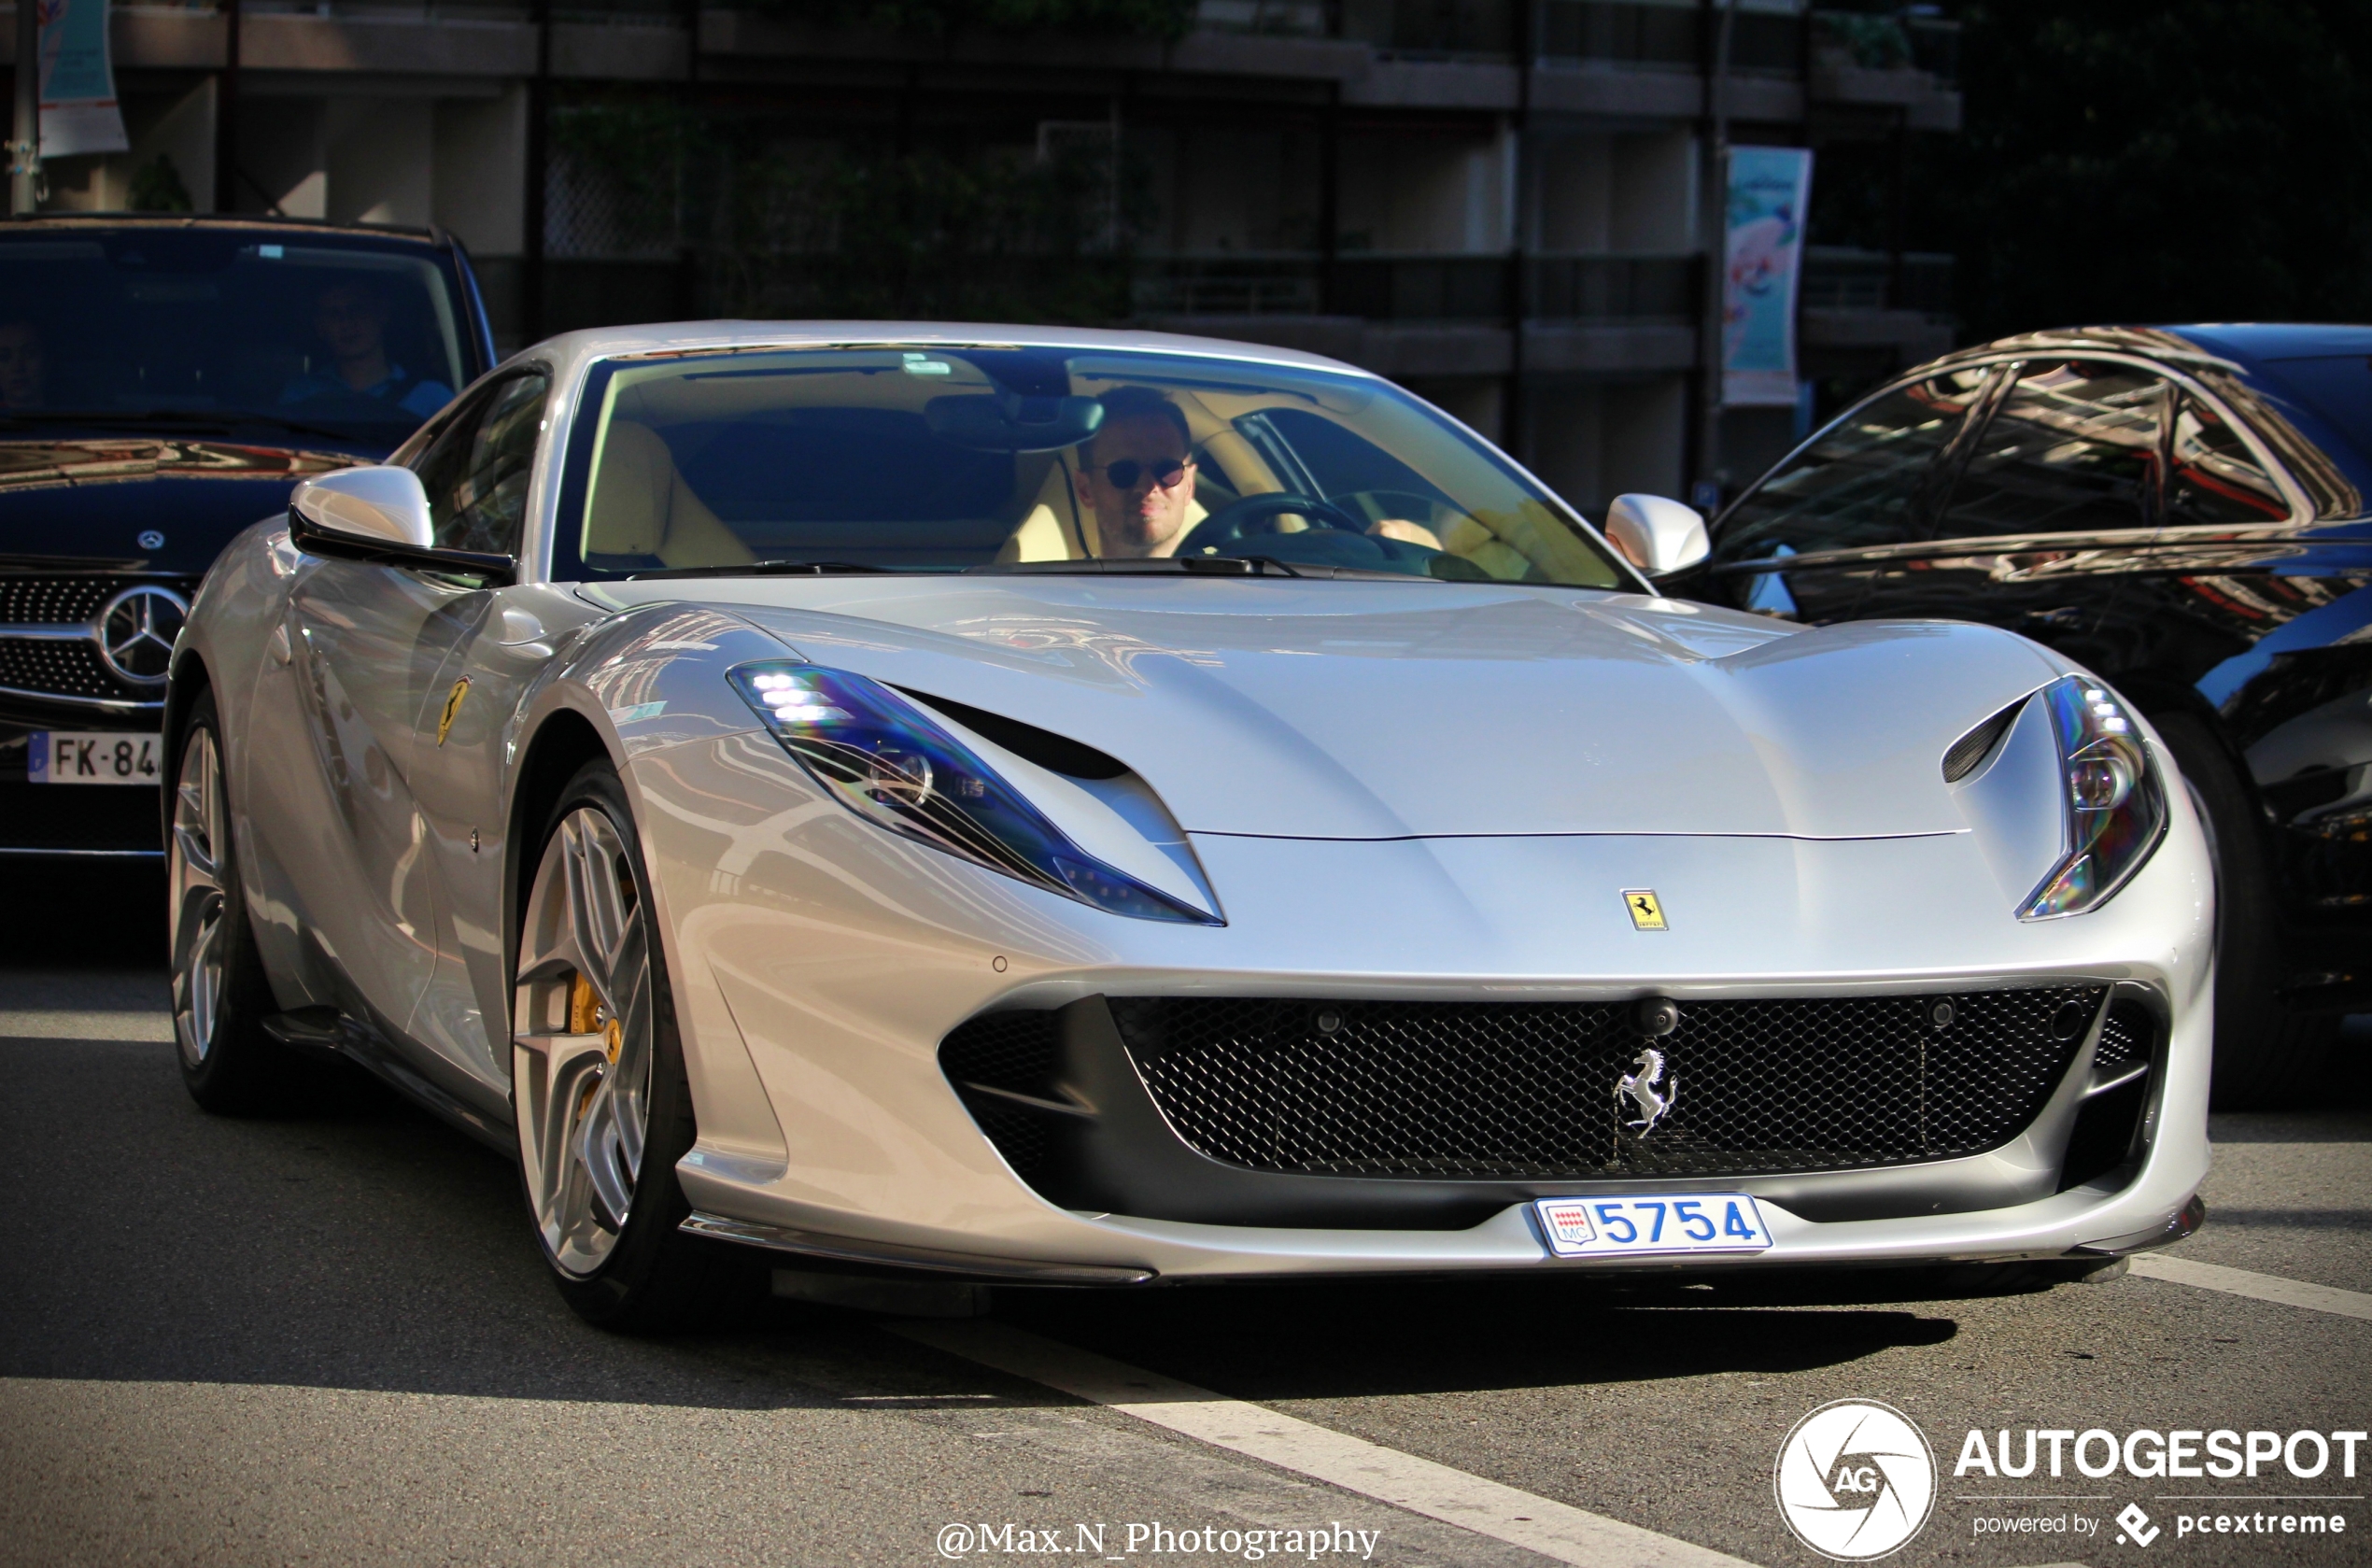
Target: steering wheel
x,y
1227,525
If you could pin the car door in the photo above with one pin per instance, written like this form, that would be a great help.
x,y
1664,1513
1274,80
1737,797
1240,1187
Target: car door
x,y
368,643
503,638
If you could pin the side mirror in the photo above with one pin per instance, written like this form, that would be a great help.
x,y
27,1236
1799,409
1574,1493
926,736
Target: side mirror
x,y
1658,536
381,515
369,505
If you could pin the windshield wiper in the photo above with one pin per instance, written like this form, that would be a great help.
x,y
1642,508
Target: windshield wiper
x,y
763,569
1199,566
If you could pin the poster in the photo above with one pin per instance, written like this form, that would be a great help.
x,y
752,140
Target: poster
x,y
1769,190
78,110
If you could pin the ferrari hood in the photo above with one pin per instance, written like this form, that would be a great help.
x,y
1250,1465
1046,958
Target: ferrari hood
x,y
1372,709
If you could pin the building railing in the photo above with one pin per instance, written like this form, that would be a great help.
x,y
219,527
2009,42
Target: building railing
x,y
1634,289
1419,288
1840,277
1875,41
1632,32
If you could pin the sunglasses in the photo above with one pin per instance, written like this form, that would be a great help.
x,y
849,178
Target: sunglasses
x,y
1125,473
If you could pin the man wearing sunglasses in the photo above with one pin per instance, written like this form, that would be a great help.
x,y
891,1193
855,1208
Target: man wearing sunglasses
x,y
1136,474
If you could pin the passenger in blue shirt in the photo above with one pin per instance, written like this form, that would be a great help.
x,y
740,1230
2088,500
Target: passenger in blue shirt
x,y
351,319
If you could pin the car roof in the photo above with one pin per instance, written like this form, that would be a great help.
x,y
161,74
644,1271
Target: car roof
x,y
20,222
2278,340
572,349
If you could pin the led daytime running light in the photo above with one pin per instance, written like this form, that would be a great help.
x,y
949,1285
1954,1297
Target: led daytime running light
x,y
2115,803
886,761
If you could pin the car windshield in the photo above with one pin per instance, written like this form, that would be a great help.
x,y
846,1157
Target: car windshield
x,y
948,458
125,326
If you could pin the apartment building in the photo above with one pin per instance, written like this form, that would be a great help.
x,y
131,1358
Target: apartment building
x,y
1504,204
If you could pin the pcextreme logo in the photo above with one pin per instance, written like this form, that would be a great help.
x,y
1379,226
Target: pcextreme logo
x,y
1855,1479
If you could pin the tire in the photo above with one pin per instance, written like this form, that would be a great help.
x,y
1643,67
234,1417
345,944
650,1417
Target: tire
x,y
220,994
599,1089
2266,1057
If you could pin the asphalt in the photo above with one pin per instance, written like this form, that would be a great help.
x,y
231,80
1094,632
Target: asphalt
x,y
325,1336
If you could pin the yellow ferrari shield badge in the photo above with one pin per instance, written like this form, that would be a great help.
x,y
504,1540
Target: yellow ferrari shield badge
x,y
1646,909
453,706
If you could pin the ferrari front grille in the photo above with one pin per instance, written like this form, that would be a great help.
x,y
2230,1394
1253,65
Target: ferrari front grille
x,y
1536,1090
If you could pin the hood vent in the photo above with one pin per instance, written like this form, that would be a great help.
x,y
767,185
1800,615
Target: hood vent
x,y
1961,758
1057,754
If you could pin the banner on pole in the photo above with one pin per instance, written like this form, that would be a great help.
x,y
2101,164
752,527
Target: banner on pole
x,y
1770,188
79,110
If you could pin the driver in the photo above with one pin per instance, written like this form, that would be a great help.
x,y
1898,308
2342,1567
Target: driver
x,y
1136,474
351,319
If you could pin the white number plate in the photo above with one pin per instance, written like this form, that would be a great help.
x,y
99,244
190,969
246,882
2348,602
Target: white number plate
x,y
1638,1223
90,757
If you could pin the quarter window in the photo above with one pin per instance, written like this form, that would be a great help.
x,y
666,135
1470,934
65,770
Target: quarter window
x,y
2072,447
1860,483
476,470
2216,480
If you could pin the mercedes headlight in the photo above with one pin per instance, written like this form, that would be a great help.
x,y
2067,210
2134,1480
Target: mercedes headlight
x,y
2114,804
886,761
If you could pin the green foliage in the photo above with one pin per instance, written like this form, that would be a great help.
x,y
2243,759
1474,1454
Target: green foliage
x,y
156,187
921,235
1153,18
2133,161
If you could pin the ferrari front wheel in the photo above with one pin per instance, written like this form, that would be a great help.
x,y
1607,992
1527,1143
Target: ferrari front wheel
x,y
220,994
599,1090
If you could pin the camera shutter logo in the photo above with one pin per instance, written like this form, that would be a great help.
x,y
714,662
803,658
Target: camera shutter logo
x,y
136,632
1855,1479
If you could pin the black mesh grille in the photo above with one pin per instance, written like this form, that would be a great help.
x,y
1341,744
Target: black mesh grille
x,y
68,669
1485,1089
1011,1051
31,600
2125,1039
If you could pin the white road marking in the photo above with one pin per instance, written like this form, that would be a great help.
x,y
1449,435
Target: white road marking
x,y
1554,1530
2257,1286
49,1024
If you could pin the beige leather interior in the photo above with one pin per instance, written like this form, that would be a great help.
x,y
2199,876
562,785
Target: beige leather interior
x,y
640,506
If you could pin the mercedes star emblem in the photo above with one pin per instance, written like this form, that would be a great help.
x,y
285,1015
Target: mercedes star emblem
x,y
136,633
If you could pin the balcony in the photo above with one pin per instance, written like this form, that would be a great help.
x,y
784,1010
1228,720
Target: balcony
x,y
1627,289
1907,62
1838,278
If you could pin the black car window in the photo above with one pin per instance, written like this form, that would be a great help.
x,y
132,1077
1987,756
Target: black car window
x,y
1859,482
2215,479
476,469
2072,447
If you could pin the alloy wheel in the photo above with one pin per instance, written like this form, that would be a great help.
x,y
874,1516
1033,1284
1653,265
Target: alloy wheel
x,y
581,1058
195,868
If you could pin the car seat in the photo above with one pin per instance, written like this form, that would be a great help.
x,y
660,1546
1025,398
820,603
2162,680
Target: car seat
x,y
641,507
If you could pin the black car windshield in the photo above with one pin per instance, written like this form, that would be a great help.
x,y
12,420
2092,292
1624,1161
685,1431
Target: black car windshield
x,y
954,458
340,337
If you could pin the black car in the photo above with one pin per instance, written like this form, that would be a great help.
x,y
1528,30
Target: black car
x,y
2184,511
163,383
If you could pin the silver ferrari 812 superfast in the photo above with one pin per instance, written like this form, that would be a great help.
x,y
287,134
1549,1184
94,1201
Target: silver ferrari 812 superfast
x,y
1092,808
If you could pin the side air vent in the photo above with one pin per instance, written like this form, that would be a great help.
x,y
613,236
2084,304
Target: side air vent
x,y
1057,754
1961,758
2109,1125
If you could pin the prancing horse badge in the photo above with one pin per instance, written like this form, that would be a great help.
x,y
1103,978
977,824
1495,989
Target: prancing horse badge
x,y
453,706
1646,909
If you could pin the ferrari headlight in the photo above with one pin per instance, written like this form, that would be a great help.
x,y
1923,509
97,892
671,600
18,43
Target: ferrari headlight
x,y
888,762
2115,806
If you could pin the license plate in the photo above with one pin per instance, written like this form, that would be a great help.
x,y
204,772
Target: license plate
x,y
90,757
1639,1224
